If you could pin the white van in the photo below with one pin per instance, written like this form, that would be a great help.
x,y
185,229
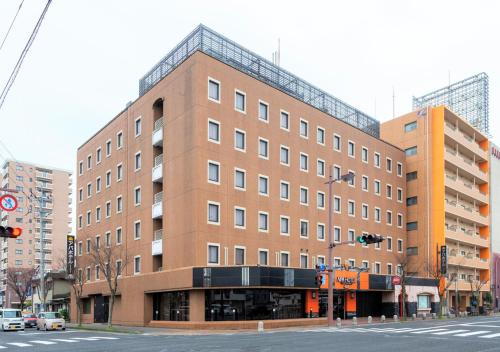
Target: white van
x,y
11,319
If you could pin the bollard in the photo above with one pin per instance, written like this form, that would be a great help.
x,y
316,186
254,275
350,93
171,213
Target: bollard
x,y
433,315
354,321
260,326
413,316
339,322
424,316
395,318
382,319
369,319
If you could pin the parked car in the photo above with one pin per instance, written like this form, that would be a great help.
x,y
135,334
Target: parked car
x,y
50,321
11,319
29,320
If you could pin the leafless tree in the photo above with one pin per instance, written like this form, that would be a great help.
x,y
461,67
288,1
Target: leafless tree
x,y
435,272
475,286
77,282
111,261
20,280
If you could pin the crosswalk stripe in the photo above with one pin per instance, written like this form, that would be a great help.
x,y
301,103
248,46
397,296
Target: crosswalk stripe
x,y
19,344
2,347
43,342
408,330
85,338
104,338
64,340
472,333
489,336
427,331
449,332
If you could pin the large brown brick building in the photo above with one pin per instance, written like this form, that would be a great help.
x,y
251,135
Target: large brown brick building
x,y
213,182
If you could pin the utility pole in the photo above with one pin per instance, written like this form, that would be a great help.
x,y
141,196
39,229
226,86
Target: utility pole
x,y
42,255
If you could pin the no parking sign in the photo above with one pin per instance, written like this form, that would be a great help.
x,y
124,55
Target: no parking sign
x,y
8,202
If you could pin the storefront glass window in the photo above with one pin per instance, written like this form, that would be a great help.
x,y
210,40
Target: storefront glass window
x,y
424,301
171,306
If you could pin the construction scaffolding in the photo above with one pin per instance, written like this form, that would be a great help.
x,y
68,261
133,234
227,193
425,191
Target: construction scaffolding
x,y
219,47
468,98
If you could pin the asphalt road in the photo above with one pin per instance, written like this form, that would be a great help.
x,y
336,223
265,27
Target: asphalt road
x,y
462,335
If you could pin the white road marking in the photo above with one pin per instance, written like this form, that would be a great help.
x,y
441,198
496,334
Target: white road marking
x,y
2,347
19,344
449,332
104,338
426,331
41,342
472,333
403,330
65,340
85,338
489,336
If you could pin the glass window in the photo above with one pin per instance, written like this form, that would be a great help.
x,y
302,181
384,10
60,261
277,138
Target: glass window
x,y
389,217
320,168
284,259
137,196
213,90
138,127
263,111
213,254
400,245
411,126
389,243
304,228
239,179
400,169
137,230
336,204
350,149
376,159
364,154
239,140
388,163
137,161
320,199
213,131
376,185
263,220
320,135
263,185
137,265
303,261
108,178
411,201
412,251
239,101
213,172
336,142
411,176
350,207
239,256
350,235
98,155
424,301
364,211
410,226
263,257
213,212
284,222
320,232
411,151
108,148
263,148
284,190
284,155
119,140
377,214
119,235
239,217
400,195
119,172
389,191
336,234
400,220
304,128
304,162
284,120
336,172
364,183
304,197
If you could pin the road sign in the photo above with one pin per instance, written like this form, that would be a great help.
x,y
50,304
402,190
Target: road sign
x,y
444,260
8,202
322,267
70,254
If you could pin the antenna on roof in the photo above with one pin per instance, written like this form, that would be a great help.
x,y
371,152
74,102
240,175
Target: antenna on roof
x,y
277,54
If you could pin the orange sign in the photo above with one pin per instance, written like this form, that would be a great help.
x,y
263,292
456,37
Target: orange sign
x,y
348,280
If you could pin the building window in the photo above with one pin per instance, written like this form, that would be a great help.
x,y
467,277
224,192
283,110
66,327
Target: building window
x,y
424,301
376,186
284,190
108,209
119,140
137,196
304,163
97,242
80,168
337,142
411,201
364,183
377,214
97,272
108,179
263,185
400,246
364,154
303,261
320,136
351,150
239,217
376,159
137,230
400,169
411,226
389,217
304,196
239,140
119,267
284,225
98,184
107,239
388,163
412,251
376,268
351,236
284,259
364,211
320,200
80,248
400,195
239,179
351,208
320,168
89,214
337,204
410,126
320,260
400,220
263,148
304,228
213,90
138,127
284,155
285,120
336,234
89,190
240,101
213,172
410,176
137,265
336,172
119,172
88,246
213,213
304,128
388,191
119,204
263,221
411,151
138,161
98,214
98,155
80,194
118,234
214,131
320,232
239,256
263,256
108,147
263,111
89,162
389,243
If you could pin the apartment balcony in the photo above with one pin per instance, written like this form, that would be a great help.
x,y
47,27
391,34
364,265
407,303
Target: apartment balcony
x,y
465,188
453,233
468,262
43,175
158,133
157,244
465,213
157,174
465,140
44,185
157,208
464,285
456,160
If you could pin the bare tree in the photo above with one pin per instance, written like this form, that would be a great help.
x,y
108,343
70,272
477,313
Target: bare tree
x,y
110,261
404,275
475,287
20,280
435,272
77,281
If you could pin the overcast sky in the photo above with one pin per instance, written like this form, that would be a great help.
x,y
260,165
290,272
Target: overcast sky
x,y
89,55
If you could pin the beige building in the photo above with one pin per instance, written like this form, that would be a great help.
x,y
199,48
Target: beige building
x,y
23,252
213,184
447,199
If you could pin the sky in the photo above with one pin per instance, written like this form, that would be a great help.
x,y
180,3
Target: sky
x,y
89,55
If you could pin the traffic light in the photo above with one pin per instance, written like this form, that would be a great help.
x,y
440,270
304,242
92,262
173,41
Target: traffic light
x,y
10,232
318,280
369,239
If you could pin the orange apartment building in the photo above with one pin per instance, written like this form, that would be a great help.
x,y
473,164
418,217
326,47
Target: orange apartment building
x,y
447,199
25,252
213,184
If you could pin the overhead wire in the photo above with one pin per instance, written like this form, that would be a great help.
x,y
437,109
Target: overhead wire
x,y
11,24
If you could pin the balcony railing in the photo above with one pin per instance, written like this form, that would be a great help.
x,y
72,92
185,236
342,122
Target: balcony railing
x,y
158,234
157,139
157,173
157,208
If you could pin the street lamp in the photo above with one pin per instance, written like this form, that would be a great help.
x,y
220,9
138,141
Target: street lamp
x,y
346,178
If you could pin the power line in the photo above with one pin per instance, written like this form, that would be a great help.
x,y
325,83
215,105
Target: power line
x,y
11,24
16,69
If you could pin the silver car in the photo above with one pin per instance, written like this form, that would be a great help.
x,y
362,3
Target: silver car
x,y
50,321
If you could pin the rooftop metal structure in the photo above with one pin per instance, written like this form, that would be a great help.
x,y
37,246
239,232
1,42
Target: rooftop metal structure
x,y
219,47
468,98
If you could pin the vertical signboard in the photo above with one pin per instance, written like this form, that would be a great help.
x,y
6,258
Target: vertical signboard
x,y
70,247
444,260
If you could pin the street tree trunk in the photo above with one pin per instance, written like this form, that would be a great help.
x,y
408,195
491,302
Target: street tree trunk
x,y
79,312
403,300
110,314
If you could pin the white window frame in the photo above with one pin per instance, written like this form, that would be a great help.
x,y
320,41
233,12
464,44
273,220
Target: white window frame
x,y
399,215
363,206
319,128
244,179
139,153
258,112
259,250
375,268
107,215
119,241
387,161
387,186
244,255
80,168
351,183
244,217
209,222
288,227
110,147
236,131
354,237
97,159
349,142
398,164
320,224
300,228
375,210
300,260
399,191
324,200
218,129
300,162
140,265
340,204
208,90
110,178
387,212
218,172
379,187
392,244
119,165
260,212
335,135
402,245
367,189
363,148
349,201
139,119
340,234
267,149
119,211
98,184
119,146
288,256
288,187
267,183
300,195
89,162
137,237
288,155
288,120
209,244
319,161
140,195
375,160
302,120
236,92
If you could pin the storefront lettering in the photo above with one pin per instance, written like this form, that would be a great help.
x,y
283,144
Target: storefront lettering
x,y
495,152
345,280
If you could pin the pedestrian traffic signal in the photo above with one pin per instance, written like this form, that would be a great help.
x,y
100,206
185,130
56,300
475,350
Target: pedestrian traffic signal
x,y
10,232
369,239
318,280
